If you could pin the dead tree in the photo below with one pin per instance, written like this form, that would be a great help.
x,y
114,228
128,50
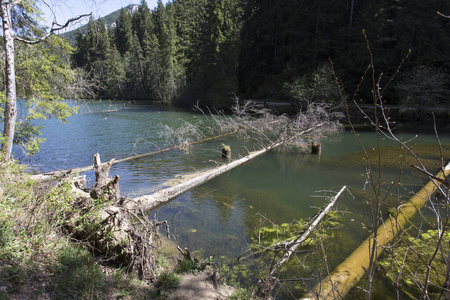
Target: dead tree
x,y
123,234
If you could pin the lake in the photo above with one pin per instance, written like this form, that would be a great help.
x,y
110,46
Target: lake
x,y
221,218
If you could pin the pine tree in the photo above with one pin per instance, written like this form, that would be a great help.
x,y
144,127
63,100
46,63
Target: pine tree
x,y
167,40
135,68
213,71
124,32
152,66
115,73
79,56
142,22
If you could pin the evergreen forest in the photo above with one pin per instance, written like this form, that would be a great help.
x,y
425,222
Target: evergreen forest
x,y
207,51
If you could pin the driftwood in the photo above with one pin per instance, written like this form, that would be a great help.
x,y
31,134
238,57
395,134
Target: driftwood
x,y
349,273
266,287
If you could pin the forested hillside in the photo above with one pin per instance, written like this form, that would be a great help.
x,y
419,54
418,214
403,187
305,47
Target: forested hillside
x,y
206,50
109,20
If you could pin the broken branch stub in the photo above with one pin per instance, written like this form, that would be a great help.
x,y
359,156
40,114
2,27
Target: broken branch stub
x,y
105,186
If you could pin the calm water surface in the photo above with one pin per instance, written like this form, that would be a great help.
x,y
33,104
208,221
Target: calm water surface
x,y
221,217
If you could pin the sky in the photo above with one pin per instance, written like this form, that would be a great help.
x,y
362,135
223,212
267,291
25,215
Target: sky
x,y
66,9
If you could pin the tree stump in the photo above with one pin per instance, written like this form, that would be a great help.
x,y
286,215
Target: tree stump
x,y
226,152
104,186
316,148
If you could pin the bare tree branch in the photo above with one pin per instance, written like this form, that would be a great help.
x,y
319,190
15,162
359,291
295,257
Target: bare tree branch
x,y
55,27
442,15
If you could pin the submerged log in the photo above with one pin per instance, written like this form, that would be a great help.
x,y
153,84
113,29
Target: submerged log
x,y
349,273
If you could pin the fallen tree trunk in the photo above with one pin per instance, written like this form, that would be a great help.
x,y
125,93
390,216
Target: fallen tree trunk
x,y
266,287
124,235
62,173
151,201
349,273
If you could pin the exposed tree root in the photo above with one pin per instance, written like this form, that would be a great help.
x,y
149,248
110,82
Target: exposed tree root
x,y
122,234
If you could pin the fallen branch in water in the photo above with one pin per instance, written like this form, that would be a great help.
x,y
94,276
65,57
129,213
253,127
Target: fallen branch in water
x,y
48,176
266,287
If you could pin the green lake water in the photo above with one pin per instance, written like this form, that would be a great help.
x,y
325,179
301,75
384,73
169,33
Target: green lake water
x,y
221,218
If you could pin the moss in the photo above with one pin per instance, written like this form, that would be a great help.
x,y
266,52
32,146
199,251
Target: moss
x,y
269,235
226,148
396,156
415,253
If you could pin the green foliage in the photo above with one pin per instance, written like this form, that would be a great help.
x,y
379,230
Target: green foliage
x,y
76,275
115,73
242,294
123,31
168,280
43,78
279,35
319,87
36,254
42,70
204,50
188,266
270,235
193,266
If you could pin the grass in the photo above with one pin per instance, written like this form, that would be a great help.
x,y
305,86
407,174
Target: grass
x,y
37,257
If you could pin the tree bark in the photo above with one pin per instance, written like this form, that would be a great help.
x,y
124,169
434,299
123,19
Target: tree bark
x,y
10,114
105,186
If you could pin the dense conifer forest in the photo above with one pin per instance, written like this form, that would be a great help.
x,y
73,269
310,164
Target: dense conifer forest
x,y
208,50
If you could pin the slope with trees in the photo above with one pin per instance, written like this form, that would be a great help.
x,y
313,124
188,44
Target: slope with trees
x,y
199,50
